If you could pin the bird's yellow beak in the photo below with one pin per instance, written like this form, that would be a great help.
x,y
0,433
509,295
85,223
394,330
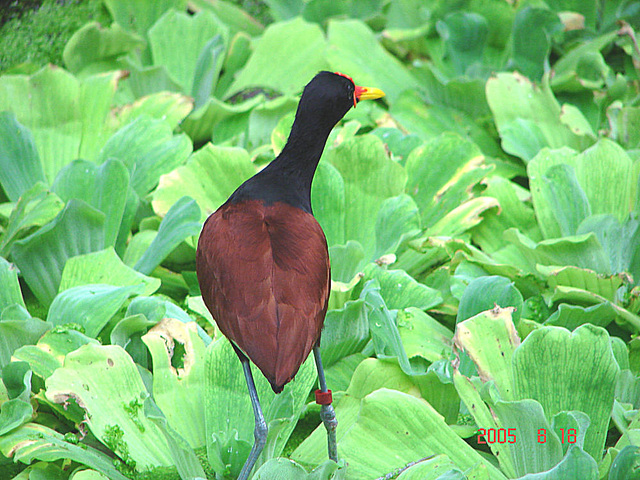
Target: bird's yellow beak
x,y
366,93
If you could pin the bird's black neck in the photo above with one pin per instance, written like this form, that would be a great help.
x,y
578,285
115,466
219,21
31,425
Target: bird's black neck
x,y
288,178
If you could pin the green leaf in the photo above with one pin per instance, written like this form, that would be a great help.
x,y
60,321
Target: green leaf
x,y
370,374
513,213
207,70
34,441
328,201
67,117
182,220
528,118
90,306
620,241
599,167
440,172
41,257
193,33
280,468
210,176
16,377
464,35
209,121
35,208
346,261
101,187
533,29
461,93
345,332
572,316
14,413
106,384
297,61
582,251
348,40
569,371
422,335
228,411
140,16
428,120
564,198
370,177
233,16
625,466
576,464
417,431
107,268
20,166
148,149
398,220
96,48
583,67
485,293
10,293
400,290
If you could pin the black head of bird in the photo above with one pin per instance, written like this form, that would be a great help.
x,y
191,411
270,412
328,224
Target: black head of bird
x,y
262,258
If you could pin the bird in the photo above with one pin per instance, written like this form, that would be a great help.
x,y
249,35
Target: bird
x,y
262,260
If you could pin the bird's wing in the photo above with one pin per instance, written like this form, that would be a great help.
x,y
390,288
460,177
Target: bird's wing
x,y
264,275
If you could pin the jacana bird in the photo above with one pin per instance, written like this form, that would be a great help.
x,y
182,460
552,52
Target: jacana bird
x,y
262,259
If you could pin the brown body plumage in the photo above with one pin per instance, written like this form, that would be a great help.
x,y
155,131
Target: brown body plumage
x,y
275,309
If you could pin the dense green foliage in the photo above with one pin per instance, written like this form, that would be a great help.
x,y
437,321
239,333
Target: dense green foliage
x,y
483,221
33,33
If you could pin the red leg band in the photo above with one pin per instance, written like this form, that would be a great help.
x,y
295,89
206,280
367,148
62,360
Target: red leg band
x,y
323,398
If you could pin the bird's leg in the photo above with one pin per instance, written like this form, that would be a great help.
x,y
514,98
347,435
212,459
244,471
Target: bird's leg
x,y
261,430
327,414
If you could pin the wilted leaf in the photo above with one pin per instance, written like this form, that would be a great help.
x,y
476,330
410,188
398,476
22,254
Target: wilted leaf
x,y
105,382
178,379
33,441
490,338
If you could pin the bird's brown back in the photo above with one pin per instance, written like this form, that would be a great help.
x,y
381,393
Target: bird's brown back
x,y
264,276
